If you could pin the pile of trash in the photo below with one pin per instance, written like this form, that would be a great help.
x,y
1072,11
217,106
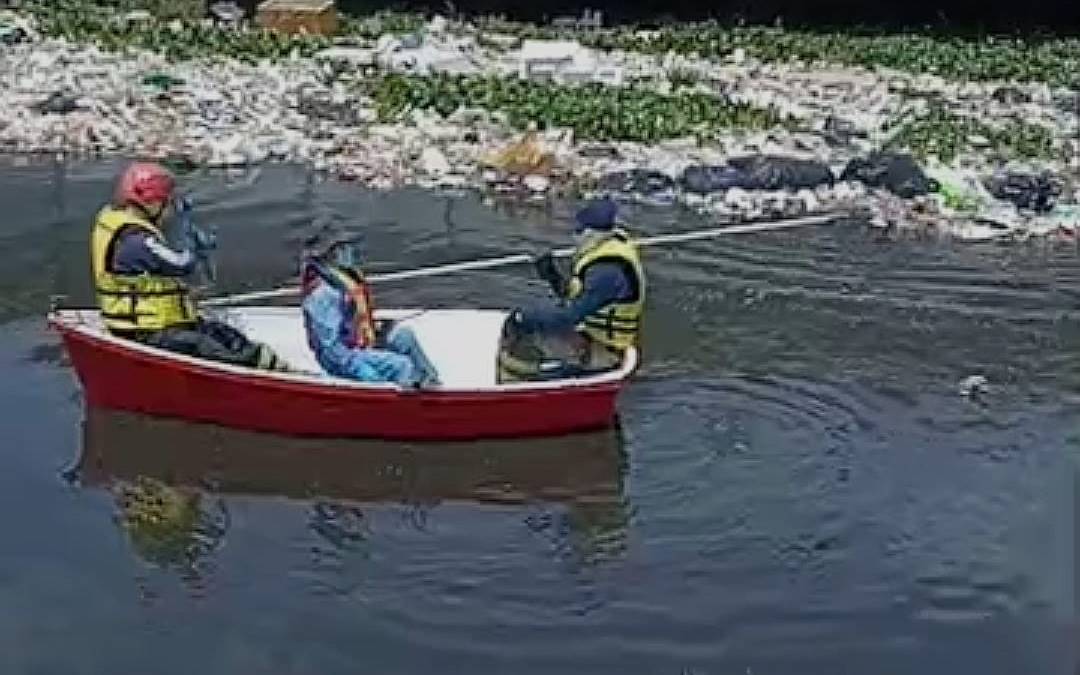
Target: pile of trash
x,y
60,97
895,191
961,202
852,108
437,49
78,100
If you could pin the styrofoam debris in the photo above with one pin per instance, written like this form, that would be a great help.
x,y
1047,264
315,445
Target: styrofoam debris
x,y
537,183
434,162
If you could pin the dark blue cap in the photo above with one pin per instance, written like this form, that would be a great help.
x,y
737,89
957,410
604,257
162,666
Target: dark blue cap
x,y
598,214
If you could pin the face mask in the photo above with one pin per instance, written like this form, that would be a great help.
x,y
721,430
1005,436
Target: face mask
x,y
344,255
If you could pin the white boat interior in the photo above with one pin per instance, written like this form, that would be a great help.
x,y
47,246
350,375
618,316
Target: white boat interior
x,y
461,343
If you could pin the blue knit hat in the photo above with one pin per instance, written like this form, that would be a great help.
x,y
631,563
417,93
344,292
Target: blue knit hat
x,y
598,214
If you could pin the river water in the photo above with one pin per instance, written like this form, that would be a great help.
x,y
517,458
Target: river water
x,y
795,485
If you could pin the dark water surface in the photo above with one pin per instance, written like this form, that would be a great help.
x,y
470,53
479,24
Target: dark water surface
x,y
796,485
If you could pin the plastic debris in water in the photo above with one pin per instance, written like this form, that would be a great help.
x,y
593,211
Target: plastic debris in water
x,y
226,12
58,103
974,385
162,81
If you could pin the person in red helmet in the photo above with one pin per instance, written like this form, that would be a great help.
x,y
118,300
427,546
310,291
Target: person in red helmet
x,y
139,278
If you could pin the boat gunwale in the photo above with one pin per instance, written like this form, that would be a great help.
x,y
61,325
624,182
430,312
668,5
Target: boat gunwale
x,y
72,320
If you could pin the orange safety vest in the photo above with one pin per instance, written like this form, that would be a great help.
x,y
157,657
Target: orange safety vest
x,y
361,333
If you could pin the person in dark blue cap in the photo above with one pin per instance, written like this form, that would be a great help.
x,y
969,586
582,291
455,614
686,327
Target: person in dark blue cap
x,y
599,308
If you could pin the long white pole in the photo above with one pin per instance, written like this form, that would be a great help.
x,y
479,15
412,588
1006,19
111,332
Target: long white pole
x,y
517,258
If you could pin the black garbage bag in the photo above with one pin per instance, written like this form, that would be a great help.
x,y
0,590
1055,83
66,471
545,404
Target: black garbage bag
x,y
57,103
318,106
640,181
703,179
1026,191
897,173
1010,96
757,172
839,131
767,172
12,35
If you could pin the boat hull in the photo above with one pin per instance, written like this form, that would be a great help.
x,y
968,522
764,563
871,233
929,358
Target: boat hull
x,y
119,375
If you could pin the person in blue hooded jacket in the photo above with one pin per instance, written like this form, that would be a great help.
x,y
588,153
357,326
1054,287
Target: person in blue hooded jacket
x,y
598,310
340,324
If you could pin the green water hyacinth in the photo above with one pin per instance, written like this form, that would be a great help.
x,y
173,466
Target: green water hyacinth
x,y
163,9
183,35
593,111
1052,60
181,40
946,134
1055,61
992,58
380,23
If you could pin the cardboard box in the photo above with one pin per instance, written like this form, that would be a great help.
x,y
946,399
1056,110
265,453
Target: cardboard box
x,y
314,17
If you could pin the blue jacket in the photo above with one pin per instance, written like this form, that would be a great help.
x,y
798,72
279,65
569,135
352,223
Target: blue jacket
x,y
604,283
137,251
328,319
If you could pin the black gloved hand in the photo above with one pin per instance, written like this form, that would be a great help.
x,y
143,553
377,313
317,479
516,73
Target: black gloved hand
x,y
545,265
547,270
512,328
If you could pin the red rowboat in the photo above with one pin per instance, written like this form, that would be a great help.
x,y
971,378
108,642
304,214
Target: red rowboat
x,y
120,374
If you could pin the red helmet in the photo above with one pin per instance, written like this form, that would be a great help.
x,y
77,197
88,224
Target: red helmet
x,y
145,184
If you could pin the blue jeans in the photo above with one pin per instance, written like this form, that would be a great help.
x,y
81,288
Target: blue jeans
x,y
402,341
399,360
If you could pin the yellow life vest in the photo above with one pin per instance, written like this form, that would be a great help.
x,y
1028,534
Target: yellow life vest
x,y
129,302
618,324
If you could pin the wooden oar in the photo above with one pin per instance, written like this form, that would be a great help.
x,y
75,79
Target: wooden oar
x,y
518,258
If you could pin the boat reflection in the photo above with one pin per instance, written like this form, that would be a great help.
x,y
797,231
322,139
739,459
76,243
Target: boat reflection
x,y
172,479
